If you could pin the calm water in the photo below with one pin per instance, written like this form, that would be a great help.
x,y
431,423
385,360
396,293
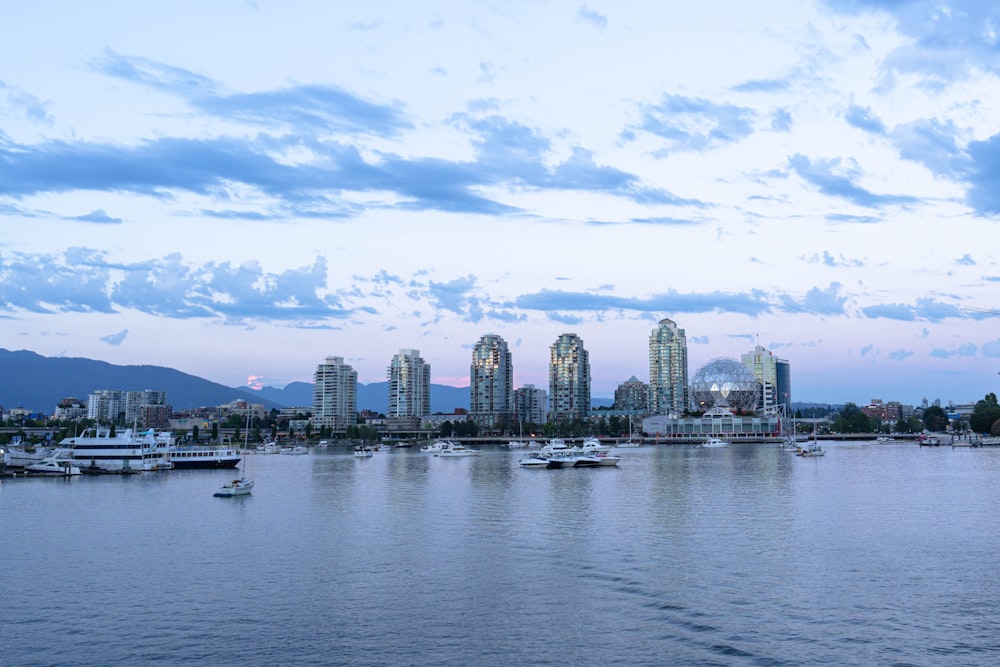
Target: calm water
x,y
873,555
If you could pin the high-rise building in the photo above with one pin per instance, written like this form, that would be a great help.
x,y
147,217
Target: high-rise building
x,y
632,397
106,406
669,392
569,379
764,366
409,390
135,401
784,371
531,404
491,382
335,395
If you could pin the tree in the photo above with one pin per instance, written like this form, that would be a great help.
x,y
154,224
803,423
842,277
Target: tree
x,y
984,414
215,431
194,433
935,418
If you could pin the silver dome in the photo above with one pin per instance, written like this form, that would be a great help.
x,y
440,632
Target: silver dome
x,y
724,383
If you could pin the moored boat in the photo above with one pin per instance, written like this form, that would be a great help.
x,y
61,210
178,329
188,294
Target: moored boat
x,y
127,450
59,464
185,457
237,487
456,449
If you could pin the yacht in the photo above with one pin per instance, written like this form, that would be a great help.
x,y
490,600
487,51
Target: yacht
x,y
712,441
436,446
363,452
593,446
59,464
455,449
127,450
534,460
237,487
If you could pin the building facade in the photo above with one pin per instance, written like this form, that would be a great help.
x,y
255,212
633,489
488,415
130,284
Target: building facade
x,y
764,366
531,404
106,406
569,379
137,401
491,383
632,397
668,370
335,395
409,390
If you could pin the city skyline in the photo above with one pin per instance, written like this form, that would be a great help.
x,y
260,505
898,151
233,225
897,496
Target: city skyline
x,y
240,189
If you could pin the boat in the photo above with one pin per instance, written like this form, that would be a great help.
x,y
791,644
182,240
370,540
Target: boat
x,y
322,444
188,457
632,440
712,441
812,449
59,464
270,447
593,446
363,452
534,460
237,487
455,449
297,450
517,444
129,449
19,457
436,446
403,445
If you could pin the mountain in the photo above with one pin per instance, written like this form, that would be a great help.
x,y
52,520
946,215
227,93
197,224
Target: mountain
x,y
39,383
374,396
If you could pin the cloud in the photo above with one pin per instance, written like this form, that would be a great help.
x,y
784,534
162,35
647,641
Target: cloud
x,y
933,144
869,350
594,18
836,180
98,216
892,311
966,260
689,123
115,339
965,350
761,86
992,349
827,301
752,304
863,119
900,355
26,104
984,174
829,260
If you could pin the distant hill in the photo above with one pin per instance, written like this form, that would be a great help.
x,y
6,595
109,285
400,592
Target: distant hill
x,y
39,383
374,396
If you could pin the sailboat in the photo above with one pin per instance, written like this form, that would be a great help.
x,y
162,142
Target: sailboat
x,y
631,442
241,486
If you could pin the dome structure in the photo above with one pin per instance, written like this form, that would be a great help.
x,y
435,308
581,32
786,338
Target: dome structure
x,y
724,385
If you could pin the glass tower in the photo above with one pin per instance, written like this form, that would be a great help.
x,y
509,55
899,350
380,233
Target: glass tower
x,y
569,379
490,382
668,370
409,388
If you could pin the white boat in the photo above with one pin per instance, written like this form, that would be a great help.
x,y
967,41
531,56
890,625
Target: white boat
x,y
322,444
632,441
593,446
436,446
203,456
297,450
237,487
712,441
270,448
363,452
59,464
517,444
556,447
18,457
534,460
127,450
455,449
812,449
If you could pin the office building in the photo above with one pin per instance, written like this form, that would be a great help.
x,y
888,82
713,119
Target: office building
x,y
409,390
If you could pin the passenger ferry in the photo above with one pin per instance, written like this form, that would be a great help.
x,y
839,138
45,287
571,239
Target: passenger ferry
x,y
127,450
203,456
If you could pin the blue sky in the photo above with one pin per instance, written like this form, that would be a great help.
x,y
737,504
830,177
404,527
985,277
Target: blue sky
x,y
240,189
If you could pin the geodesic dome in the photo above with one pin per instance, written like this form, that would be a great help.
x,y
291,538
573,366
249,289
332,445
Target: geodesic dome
x,y
724,383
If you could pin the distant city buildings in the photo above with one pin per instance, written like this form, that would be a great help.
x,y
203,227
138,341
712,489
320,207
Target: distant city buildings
x,y
131,408
409,390
632,397
569,379
668,370
531,404
774,377
491,383
335,394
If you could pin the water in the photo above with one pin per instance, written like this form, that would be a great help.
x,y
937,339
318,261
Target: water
x,y
875,554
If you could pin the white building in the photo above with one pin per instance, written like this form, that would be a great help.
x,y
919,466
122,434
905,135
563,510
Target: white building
x,y
335,395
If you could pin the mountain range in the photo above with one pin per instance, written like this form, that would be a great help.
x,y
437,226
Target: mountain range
x,y
39,383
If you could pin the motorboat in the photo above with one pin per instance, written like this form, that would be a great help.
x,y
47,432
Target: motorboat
x,y
237,487
59,464
534,460
517,444
455,449
297,450
593,445
436,446
712,441
363,452
812,449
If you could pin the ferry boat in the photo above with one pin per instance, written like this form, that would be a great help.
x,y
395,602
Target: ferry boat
x,y
186,457
126,450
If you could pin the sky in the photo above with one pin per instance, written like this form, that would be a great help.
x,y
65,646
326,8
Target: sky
x,y
239,190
